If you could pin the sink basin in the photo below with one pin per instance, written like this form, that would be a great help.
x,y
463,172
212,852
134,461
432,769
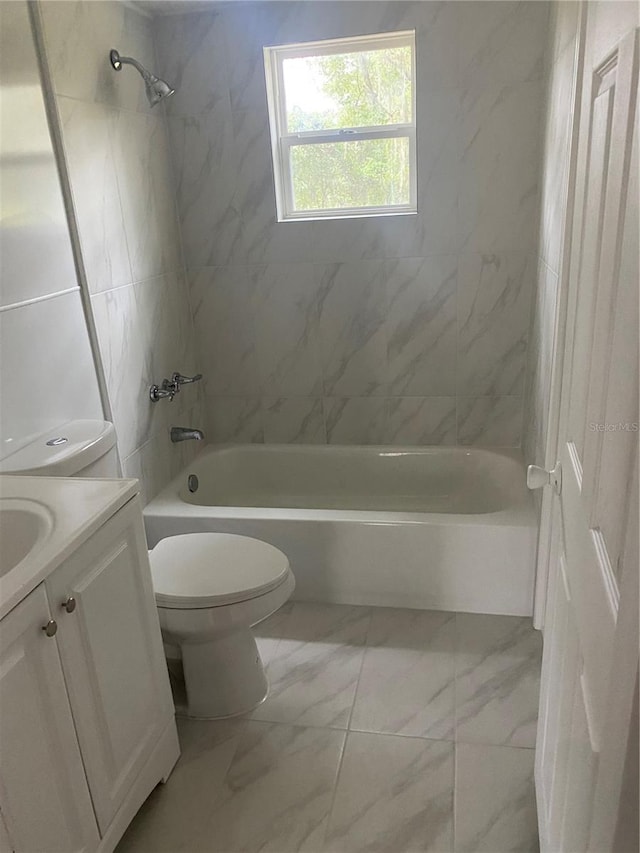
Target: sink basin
x,y
43,520
24,525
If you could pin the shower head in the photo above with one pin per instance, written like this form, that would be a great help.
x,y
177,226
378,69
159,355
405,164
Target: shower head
x,y
155,88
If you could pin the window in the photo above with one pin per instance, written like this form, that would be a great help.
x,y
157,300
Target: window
x,y
343,132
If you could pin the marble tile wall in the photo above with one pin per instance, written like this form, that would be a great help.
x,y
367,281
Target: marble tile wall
x,y
559,91
410,329
117,153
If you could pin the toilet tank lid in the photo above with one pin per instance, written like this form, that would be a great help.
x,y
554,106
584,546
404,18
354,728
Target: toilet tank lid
x,y
62,451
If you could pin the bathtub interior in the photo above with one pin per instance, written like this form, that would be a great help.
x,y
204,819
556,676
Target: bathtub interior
x,y
417,480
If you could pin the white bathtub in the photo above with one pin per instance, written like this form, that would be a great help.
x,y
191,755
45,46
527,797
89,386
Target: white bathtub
x,y
442,528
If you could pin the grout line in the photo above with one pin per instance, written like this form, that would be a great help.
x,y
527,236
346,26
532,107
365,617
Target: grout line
x,y
35,300
137,281
454,804
249,719
317,727
116,108
364,652
402,735
347,732
334,793
488,745
455,678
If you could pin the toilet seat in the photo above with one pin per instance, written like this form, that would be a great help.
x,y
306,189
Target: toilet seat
x,y
202,570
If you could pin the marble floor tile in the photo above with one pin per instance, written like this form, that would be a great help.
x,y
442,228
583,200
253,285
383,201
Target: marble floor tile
x,y
407,680
271,784
495,800
394,794
497,679
277,793
314,671
174,815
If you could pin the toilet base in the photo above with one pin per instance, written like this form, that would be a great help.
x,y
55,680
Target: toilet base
x,y
224,677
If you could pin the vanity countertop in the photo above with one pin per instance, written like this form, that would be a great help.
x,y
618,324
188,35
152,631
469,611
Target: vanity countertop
x,y
59,514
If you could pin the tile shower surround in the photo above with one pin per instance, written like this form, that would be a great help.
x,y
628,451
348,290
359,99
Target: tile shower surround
x,y
357,378
385,729
407,329
117,154
366,351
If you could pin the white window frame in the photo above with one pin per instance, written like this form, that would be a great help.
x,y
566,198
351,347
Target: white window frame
x,y
282,142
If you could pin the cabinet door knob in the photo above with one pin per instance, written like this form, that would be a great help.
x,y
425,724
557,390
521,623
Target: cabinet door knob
x,y
50,628
70,604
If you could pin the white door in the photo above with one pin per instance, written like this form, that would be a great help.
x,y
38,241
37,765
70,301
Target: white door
x,y
112,656
44,796
591,636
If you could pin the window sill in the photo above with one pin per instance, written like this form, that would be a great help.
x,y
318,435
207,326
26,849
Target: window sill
x,y
383,214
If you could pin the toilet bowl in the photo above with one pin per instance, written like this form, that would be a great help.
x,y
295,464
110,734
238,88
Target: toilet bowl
x,y
210,589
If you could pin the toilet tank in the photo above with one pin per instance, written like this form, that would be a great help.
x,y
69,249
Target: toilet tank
x,y
84,448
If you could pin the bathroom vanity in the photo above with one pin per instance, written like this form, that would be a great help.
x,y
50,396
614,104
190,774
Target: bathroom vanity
x,y
87,725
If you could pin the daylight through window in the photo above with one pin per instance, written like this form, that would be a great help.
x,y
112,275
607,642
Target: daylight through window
x,y
343,133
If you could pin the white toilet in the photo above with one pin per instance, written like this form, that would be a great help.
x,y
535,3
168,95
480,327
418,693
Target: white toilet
x,y
210,589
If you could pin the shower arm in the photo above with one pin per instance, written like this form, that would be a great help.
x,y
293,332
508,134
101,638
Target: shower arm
x,y
118,61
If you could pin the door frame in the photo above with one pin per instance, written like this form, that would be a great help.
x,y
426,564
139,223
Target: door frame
x,y
560,323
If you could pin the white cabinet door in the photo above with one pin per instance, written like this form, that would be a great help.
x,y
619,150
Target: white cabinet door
x,y
112,656
44,797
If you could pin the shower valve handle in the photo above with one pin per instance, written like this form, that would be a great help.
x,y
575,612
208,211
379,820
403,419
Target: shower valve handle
x,y
170,387
160,392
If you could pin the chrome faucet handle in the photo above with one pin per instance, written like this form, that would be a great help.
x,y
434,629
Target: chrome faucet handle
x,y
178,379
160,392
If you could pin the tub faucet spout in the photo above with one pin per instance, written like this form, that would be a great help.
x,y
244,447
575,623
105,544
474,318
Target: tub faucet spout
x,y
185,434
